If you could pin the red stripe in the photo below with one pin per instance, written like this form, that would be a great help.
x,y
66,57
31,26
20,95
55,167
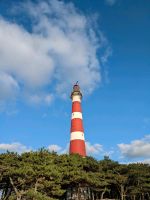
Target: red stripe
x,y
76,106
76,125
77,146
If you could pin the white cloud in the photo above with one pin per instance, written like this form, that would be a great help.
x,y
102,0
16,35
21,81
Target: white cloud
x,y
146,161
93,149
48,99
36,99
20,148
54,147
8,86
110,2
65,150
21,55
14,147
60,49
108,53
137,148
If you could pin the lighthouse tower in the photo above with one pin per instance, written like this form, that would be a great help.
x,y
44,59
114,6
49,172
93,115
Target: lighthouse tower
x,y
77,143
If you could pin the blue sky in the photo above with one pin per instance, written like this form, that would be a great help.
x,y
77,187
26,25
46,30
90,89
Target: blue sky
x,y
46,46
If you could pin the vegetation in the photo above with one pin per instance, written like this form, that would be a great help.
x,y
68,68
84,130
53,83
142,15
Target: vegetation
x,y
42,175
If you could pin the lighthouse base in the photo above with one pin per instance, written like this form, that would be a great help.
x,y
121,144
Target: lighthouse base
x,y
77,147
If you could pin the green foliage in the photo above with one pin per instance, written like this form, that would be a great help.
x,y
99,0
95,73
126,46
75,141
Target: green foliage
x,y
42,175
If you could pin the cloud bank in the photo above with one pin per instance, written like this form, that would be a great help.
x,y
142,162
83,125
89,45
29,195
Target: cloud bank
x,y
54,147
57,48
92,149
14,147
137,148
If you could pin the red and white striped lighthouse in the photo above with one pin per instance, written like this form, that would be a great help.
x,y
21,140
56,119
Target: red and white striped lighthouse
x,y
77,143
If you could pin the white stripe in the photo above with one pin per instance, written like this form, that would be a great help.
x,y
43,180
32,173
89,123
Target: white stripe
x,y
76,115
76,98
77,135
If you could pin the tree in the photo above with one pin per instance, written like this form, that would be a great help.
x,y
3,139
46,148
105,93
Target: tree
x,y
42,175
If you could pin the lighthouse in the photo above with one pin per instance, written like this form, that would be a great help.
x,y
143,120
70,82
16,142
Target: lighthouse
x,y
77,143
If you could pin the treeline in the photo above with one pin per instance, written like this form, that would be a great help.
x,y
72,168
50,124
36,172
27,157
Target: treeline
x,y
42,175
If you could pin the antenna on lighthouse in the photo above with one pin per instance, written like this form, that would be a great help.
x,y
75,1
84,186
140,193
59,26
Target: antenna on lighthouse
x,y
77,143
